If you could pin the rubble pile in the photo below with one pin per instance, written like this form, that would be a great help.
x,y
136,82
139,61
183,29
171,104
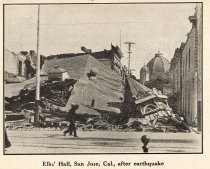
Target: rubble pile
x,y
170,124
153,112
56,93
92,81
106,101
158,117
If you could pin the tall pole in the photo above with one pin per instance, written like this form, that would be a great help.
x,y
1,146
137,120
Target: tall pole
x,y
36,119
129,56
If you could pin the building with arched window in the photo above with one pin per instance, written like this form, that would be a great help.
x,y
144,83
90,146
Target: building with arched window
x,y
186,73
192,71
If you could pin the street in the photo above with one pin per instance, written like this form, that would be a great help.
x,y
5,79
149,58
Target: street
x,y
53,142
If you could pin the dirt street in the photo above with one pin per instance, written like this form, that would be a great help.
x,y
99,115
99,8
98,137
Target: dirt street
x,y
53,142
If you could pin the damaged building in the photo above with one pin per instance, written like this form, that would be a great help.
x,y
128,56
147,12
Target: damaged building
x,y
94,81
101,91
111,58
90,80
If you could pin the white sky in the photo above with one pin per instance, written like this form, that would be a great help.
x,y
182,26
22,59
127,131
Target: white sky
x,y
65,28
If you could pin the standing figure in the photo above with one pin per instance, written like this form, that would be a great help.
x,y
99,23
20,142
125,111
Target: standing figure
x,y
7,142
92,102
28,67
71,118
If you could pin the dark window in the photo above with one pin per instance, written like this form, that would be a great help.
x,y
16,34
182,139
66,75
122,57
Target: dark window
x,y
183,68
189,112
184,106
20,68
186,66
186,103
189,59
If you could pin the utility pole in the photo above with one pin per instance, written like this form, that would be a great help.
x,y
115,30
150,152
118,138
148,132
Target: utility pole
x,y
36,117
129,55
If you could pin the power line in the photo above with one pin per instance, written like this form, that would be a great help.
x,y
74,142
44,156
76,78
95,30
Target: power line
x,y
96,23
92,23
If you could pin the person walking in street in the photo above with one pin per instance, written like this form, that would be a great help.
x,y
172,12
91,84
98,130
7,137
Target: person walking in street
x,y
71,118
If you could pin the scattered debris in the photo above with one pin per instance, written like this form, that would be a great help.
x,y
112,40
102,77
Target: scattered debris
x,y
151,110
54,92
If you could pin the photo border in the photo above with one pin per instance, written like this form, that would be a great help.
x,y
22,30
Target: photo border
x,y
120,3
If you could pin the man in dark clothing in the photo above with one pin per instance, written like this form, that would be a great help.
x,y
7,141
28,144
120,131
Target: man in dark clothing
x,y
7,142
71,118
28,65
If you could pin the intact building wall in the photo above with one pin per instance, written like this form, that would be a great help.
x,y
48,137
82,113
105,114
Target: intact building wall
x,y
175,81
10,62
200,63
189,79
192,72
14,63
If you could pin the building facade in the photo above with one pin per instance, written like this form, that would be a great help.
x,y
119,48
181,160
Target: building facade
x,y
186,73
22,63
14,63
189,81
199,51
175,73
111,58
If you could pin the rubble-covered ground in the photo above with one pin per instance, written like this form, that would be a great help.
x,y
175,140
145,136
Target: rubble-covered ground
x,y
154,114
